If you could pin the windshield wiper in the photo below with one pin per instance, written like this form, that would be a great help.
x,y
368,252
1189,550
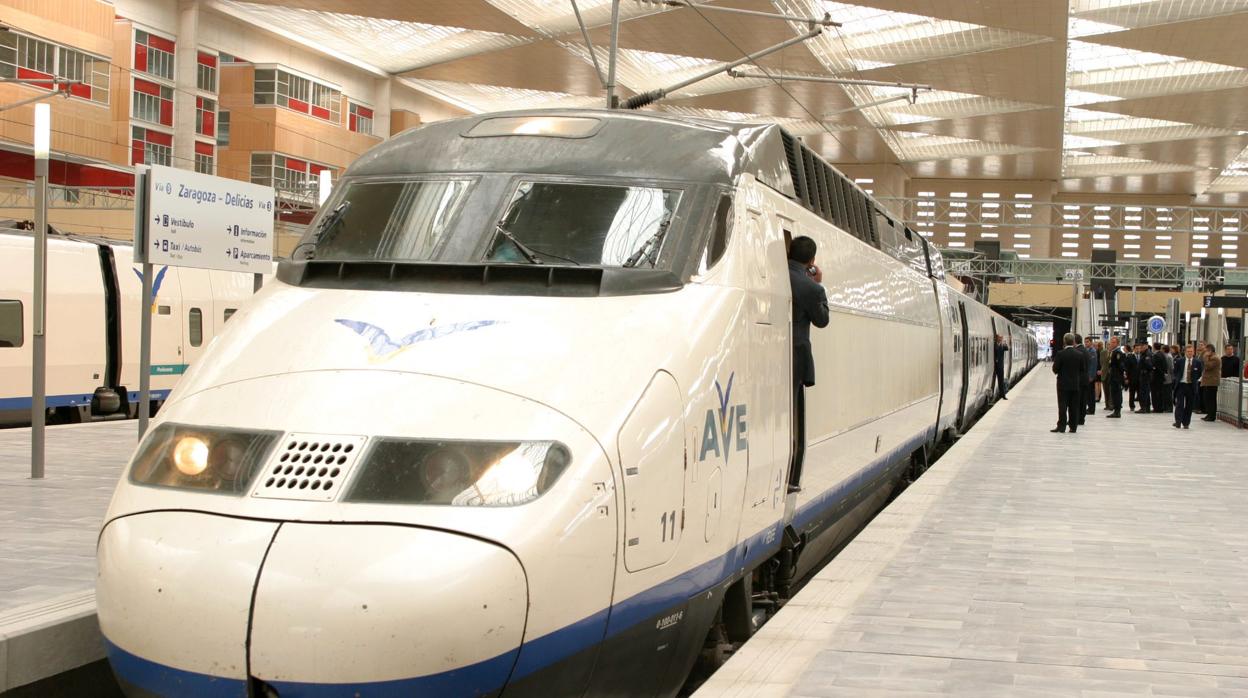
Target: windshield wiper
x,y
649,250
325,231
529,254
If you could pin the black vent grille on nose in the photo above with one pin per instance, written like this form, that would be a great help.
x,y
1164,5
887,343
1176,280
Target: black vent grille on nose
x,y
310,467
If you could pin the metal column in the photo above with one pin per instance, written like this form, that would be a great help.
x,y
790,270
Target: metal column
x,y
39,347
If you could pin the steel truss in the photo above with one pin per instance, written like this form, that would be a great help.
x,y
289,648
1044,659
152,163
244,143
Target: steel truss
x,y
1064,271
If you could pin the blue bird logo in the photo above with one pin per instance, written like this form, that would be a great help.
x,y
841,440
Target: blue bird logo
x,y
156,282
382,348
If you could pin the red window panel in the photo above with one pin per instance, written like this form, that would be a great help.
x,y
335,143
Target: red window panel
x,y
298,105
160,42
80,90
364,112
315,169
146,87
208,59
203,148
35,76
320,113
166,112
140,57
159,138
297,165
210,124
136,152
351,121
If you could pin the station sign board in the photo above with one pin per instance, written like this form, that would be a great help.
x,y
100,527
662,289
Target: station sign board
x,y
1074,274
206,222
1226,301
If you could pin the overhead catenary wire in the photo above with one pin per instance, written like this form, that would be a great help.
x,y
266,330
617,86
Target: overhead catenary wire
x,y
778,83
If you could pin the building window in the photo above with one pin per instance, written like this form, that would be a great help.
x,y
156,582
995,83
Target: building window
x,y
150,147
205,158
35,62
153,54
206,72
299,94
153,102
11,332
223,127
205,116
360,119
286,174
88,73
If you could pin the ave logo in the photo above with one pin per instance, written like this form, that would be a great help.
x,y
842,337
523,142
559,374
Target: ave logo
x,y
725,429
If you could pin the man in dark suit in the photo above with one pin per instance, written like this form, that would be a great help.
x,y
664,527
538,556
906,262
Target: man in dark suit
x,y
1186,377
1145,393
1117,376
1083,389
1071,367
1132,366
810,307
1161,371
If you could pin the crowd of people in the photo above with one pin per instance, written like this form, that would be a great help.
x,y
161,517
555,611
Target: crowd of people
x,y
1156,378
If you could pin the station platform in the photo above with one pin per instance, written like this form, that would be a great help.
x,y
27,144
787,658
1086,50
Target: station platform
x,y
1110,562
48,530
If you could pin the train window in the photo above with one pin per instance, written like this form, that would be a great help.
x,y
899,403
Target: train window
x,y
598,224
717,243
396,220
195,326
11,332
164,310
229,313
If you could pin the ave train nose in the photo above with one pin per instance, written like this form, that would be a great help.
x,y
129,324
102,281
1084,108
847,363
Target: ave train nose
x,y
309,609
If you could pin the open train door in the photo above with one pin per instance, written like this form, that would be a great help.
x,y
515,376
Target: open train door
x,y
964,340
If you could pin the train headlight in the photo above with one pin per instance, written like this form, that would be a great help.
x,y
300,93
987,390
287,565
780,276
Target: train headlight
x,y
458,473
190,455
213,459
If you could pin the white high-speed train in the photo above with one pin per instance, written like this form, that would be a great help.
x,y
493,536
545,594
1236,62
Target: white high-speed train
x,y
516,418
93,306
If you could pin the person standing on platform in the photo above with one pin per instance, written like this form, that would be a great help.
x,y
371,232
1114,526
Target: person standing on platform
x,y
1071,368
1089,397
1083,386
1146,377
1104,372
998,365
1167,376
1210,377
1117,369
1158,387
1230,363
810,307
1101,358
1132,366
1187,371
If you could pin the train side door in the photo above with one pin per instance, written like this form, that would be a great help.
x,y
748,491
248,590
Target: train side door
x,y
767,377
168,362
963,336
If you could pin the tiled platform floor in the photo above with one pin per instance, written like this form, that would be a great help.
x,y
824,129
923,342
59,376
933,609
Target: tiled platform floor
x,y
48,527
1112,562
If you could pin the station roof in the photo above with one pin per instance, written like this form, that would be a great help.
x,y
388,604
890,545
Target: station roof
x,y
1105,96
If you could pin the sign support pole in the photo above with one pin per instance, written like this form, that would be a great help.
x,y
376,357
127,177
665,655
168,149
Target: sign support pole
x,y
39,347
1239,397
145,304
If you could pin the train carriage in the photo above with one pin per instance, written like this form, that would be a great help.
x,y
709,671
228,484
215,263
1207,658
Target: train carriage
x,y
518,415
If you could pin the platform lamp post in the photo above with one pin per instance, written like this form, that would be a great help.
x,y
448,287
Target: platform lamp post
x,y
38,378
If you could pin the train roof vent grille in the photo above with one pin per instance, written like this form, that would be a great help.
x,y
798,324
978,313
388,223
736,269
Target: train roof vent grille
x,y
310,467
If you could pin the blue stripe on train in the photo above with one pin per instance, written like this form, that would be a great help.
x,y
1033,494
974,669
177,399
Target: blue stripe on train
x,y
538,653
79,400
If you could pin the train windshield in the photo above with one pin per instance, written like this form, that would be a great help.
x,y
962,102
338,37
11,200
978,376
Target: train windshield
x,y
387,220
592,224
